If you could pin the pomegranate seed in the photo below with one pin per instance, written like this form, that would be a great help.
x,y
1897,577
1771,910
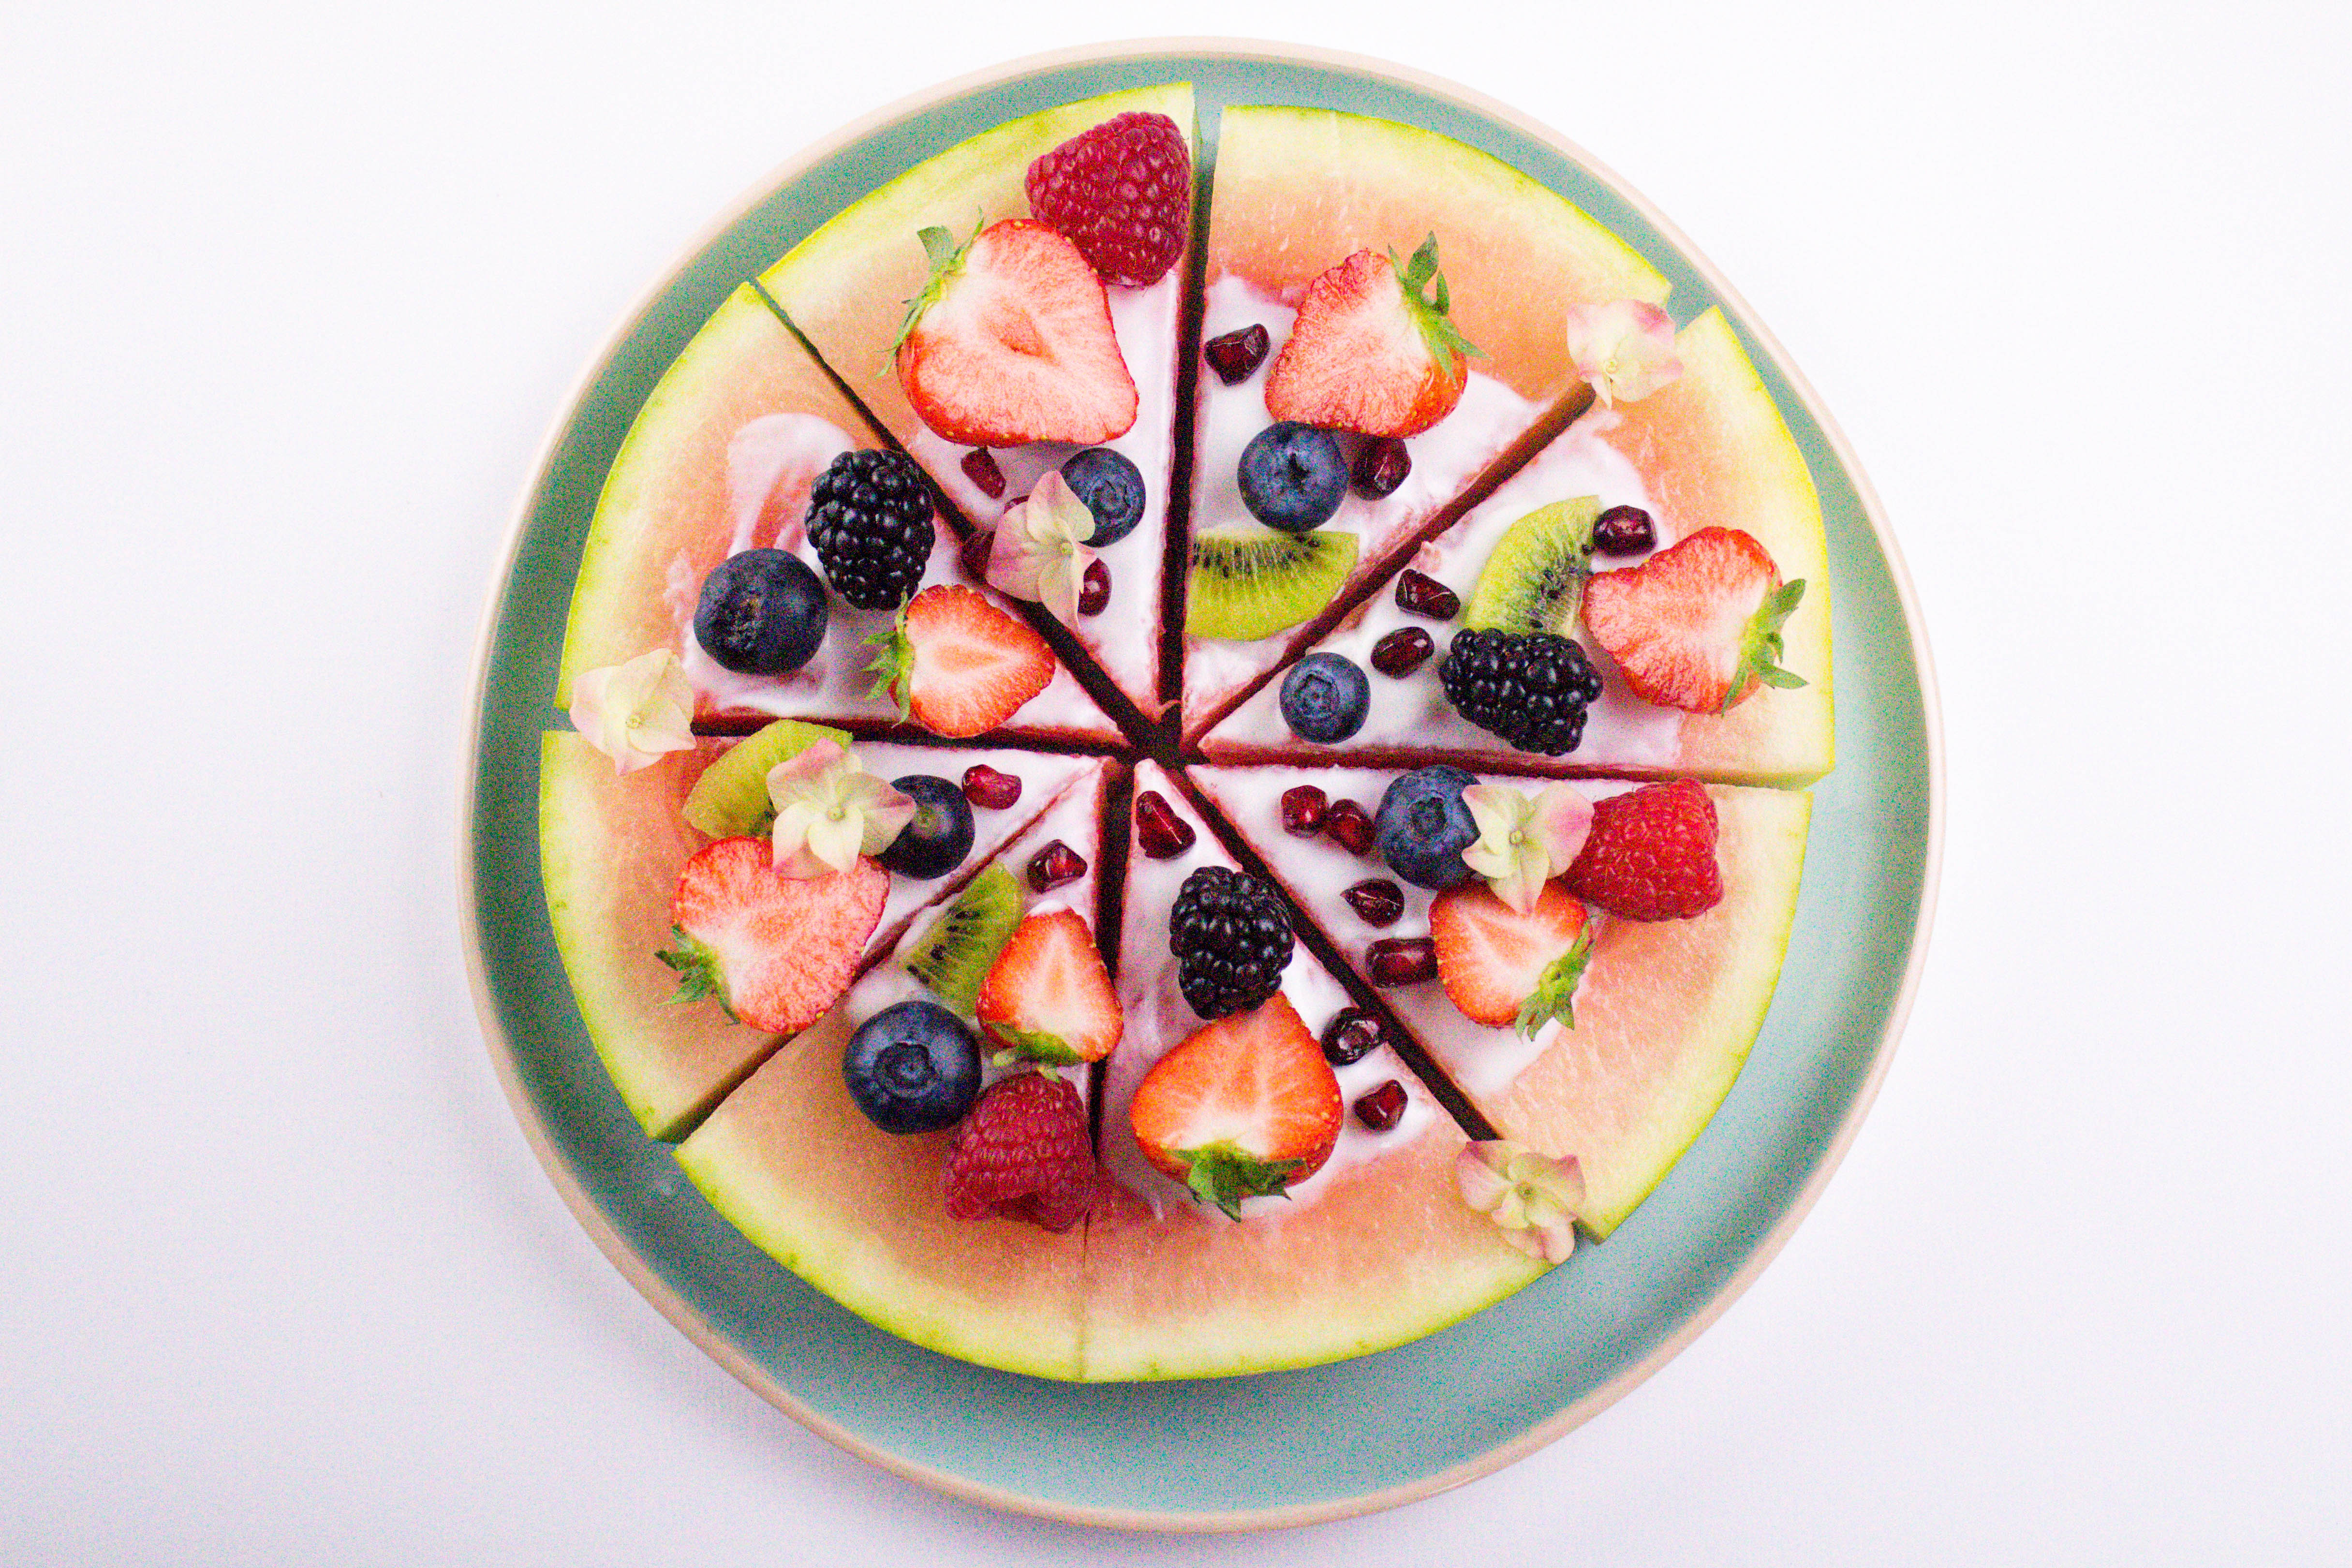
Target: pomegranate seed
x,y
1162,833
1402,651
980,467
1094,589
1351,1036
1349,824
1381,466
973,557
1302,810
1059,863
1420,594
1236,355
1384,1107
988,789
1379,901
1401,961
1623,531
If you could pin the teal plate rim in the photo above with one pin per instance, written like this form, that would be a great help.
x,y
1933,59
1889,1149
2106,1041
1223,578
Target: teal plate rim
x,y
1388,1428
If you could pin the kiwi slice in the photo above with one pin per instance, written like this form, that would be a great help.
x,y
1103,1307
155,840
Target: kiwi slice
x,y
1534,579
1250,583
731,798
954,956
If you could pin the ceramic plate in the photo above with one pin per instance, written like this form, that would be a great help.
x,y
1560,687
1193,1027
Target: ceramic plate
x,y
1391,1426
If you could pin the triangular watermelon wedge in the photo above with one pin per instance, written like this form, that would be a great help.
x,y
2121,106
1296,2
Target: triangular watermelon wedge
x,y
845,289
1665,1013
611,847
1709,450
1297,190
1374,1249
719,460
859,1213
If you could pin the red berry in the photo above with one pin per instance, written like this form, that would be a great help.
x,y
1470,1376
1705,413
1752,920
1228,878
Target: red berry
x,y
1351,824
1623,531
1094,588
1236,355
1122,193
1384,1107
1401,961
980,467
1302,810
1055,865
1402,651
1378,901
1419,594
1350,1037
989,789
974,556
1023,1153
1381,467
1651,854
1162,834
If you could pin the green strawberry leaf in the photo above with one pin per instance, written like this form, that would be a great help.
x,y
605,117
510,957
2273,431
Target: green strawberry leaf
x,y
1761,651
1031,1045
1432,315
892,667
698,973
1223,1175
947,260
1555,996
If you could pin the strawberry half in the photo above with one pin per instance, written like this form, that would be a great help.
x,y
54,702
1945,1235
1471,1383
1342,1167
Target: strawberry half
x,y
776,951
957,665
1241,1108
1696,625
1367,354
1651,854
1048,996
1010,341
1502,967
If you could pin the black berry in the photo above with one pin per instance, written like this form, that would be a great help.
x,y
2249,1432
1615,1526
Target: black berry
x,y
870,519
1231,936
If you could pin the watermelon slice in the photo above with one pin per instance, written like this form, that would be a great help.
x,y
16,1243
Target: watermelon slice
x,y
1665,1013
1374,1249
1709,450
1297,191
859,1213
845,289
720,459
611,846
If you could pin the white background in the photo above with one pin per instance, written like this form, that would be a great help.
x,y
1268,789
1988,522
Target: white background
x,y
288,301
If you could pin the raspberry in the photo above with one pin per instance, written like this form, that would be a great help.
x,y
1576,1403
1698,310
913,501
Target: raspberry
x,y
1023,1154
1121,193
1651,854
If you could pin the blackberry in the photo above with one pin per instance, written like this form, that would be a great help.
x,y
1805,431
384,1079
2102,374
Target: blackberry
x,y
1232,940
870,516
1528,687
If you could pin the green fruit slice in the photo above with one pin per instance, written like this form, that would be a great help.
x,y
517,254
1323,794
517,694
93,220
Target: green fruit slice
x,y
731,796
1534,582
1247,584
954,956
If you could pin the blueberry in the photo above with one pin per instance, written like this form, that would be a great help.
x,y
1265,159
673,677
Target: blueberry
x,y
939,837
1325,699
763,611
913,1068
1112,488
1424,827
1293,477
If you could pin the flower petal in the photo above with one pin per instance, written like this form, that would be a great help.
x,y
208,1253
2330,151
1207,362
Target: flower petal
x,y
835,837
1562,821
1039,552
1625,348
1474,1173
637,711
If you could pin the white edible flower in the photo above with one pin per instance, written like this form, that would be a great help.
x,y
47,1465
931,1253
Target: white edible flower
x,y
1532,1198
636,712
1624,348
1524,841
830,811
1040,550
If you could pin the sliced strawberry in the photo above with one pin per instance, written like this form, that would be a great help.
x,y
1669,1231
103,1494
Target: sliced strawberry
x,y
1367,354
1502,967
1241,1108
1048,996
957,665
776,951
1023,1153
1651,854
1011,341
1696,625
